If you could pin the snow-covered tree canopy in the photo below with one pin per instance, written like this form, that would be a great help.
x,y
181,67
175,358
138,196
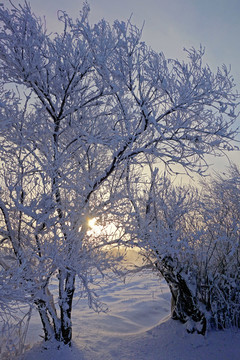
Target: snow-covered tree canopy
x,y
78,110
145,103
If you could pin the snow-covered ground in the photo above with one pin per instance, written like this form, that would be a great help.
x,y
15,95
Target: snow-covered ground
x,y
136,327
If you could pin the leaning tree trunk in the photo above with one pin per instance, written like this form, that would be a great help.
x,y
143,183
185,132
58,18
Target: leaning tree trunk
x,y
185,305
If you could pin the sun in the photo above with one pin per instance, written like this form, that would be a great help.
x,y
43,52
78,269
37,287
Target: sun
x,y
92,223
109,231
94,228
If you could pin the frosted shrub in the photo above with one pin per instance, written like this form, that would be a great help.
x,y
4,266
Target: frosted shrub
x,y
220,248
13,331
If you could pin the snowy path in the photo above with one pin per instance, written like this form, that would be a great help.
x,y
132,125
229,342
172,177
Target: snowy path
x,y
136,327
134,307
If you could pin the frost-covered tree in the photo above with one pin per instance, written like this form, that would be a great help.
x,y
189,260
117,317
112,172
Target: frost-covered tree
x,y
163,214
193,236
79,110
219,244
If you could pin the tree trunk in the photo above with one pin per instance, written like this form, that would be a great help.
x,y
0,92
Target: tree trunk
x,y
55,327
185,305
48,329
66,292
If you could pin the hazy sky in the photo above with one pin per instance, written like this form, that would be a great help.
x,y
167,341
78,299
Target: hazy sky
x,y
170,25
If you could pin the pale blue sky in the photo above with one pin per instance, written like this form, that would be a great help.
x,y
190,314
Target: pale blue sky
x,y
170,25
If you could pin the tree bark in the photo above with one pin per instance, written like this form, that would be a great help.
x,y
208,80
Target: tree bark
x,y
66,292
56,327
48,329
185,305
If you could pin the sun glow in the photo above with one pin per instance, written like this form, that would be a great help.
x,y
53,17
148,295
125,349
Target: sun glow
x,y
92,223
107,231
94,228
